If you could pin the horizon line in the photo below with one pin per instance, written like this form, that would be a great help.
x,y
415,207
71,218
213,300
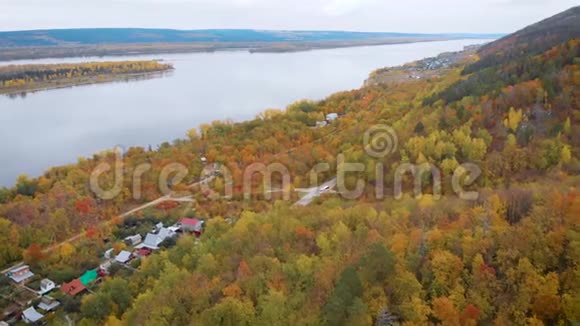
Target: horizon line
x,y
249,29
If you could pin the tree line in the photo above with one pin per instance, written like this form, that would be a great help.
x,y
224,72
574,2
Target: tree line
x,y
22,75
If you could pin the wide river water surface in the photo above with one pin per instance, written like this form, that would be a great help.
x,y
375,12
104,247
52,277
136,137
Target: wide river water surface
x,y
56,127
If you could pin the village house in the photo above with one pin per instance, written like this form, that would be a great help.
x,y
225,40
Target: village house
x,y
152,240
73,288
123,257
31,316
48,303
20,275
46,286
192,225
133,240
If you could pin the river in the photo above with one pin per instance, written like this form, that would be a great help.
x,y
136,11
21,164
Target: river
x,y
56,127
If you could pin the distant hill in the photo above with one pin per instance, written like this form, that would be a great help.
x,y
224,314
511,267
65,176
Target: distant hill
x,y
95,36
502,62
532,40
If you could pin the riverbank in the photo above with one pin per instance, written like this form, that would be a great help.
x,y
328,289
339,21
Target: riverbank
x,y
132,49
427,68
82,82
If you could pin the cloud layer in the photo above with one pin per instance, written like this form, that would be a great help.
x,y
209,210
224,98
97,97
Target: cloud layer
x,y
427,16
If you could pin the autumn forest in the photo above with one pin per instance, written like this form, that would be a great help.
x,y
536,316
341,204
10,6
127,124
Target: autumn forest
x,y
511,256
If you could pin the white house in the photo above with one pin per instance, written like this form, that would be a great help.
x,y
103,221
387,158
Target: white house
x,y
30,315
192,225
46,286
331,116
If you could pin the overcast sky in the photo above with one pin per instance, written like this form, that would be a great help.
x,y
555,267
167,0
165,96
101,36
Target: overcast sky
x,y
426,16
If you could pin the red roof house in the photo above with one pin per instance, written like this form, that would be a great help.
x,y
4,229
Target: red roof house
x,y
73,288
192,225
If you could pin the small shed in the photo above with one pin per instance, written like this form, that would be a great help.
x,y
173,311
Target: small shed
x,y
48,303
30,315
46,286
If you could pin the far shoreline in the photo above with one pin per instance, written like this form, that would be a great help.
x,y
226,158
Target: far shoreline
x,y
9,54
30,78
91,81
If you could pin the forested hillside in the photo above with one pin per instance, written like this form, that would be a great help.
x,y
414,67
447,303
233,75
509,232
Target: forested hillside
x,y
510,257
532,40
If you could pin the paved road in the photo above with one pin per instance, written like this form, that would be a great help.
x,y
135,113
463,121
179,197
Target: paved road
x,y
314,192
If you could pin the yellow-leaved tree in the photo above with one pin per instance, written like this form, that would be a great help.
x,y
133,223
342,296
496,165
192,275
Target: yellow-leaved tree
x,y
513,119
